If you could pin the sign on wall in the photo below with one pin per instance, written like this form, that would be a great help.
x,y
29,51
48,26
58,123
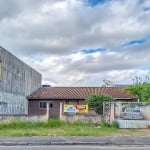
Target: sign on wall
x,y
74,109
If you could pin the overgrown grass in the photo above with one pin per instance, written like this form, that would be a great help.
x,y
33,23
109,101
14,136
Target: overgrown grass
x,y
114,124
56,127
17,124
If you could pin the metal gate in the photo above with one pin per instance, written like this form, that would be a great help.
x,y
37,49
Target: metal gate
x,y
127,114
107,111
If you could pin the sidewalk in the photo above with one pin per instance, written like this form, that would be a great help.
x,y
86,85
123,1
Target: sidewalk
x,y
62,140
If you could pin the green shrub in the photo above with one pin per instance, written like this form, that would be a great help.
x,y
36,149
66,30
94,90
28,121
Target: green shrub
x,y
115,124
104,123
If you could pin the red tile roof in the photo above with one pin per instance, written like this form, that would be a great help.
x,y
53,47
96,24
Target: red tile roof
x,y
79,93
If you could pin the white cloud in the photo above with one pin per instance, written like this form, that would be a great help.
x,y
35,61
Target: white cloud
x,y
64,26
50,35
86,69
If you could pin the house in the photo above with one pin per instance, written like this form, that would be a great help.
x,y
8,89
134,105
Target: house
x,y
52,99
17,80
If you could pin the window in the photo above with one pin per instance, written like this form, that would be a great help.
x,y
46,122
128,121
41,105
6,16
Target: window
x,y
51,105
4,104
43,104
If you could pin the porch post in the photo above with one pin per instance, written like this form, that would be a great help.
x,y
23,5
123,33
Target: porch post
x,y
61,111
47,110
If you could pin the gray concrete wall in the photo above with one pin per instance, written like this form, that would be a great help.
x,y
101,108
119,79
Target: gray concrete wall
x,y
17,81
81,117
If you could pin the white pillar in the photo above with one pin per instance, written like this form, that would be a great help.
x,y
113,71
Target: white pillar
x,y
61,110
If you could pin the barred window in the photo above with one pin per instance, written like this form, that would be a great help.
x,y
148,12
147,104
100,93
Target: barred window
x,y
43,104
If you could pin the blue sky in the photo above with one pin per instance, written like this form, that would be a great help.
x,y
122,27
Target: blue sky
x,y
147,9
88,51
79,42
96,2
136,41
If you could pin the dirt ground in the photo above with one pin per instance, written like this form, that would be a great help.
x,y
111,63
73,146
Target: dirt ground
x,y
134,132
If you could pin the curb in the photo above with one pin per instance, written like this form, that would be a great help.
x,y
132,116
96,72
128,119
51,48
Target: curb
x,y
70,143
79,143
51,143
101,141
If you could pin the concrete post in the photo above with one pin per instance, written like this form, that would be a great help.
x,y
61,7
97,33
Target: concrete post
x,y
112,113
47,110
61,111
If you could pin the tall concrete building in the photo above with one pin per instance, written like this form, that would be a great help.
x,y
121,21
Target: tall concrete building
x,y
17,81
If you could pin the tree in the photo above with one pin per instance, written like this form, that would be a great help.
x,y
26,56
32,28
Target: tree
x,y
96,102
142,90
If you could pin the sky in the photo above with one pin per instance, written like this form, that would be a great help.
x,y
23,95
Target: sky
x,y
79,42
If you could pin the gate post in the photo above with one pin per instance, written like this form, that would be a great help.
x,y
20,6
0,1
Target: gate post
x,y
112,112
